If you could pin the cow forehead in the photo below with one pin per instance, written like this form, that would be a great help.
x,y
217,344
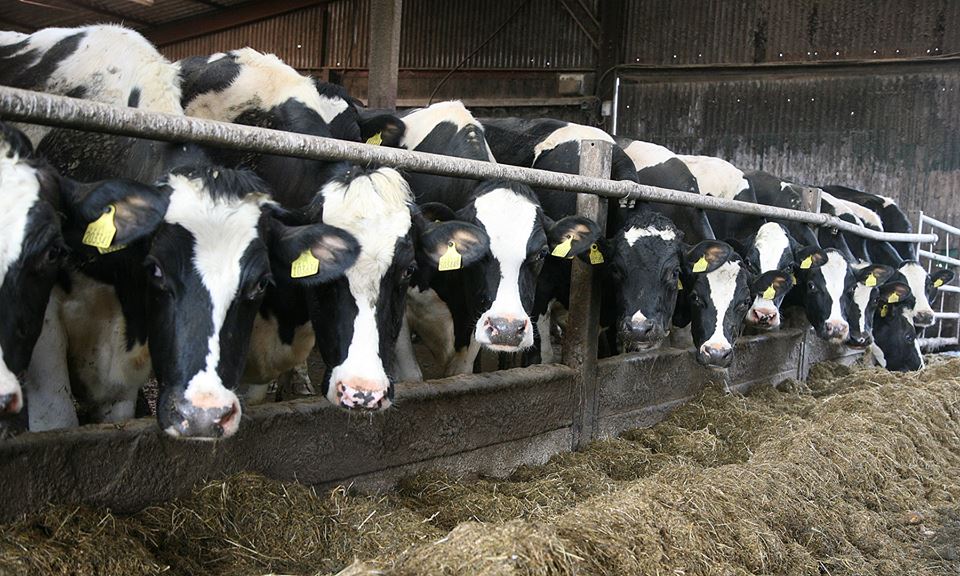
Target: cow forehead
x,y
647,154
723,281
375,208
508,219
716,177
771,243
19,192
916,277
634,233
421,122
570,133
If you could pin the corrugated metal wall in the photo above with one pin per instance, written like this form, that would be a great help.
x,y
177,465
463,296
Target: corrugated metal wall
x,y
721,31
890,129
296,37
438,34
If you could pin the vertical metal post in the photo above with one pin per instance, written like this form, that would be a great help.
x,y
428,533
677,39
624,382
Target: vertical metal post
x,y
384,60
583,324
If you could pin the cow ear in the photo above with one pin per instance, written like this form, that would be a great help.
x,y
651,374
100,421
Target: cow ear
x,y
381,128
437,212
310,254
894,293
874,274
451,245
116,212
941,276
772,284
572,236
707,256
810,258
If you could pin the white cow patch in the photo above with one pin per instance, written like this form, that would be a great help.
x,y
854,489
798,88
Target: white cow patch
x,y
771,243
834,272
375,208
716,177
917,280
723,285
508,219
634,234
421,122
861,299
647,154
264,82
9,383
878,355
222,230
861,213
19,192
570,133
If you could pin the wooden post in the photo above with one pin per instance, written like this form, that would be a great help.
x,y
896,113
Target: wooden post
x,y
384,60
580,341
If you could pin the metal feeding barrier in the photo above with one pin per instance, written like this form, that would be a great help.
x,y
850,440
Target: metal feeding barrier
x,y
948,316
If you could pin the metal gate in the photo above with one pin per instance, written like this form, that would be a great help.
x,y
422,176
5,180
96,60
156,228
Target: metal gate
x,y
946,331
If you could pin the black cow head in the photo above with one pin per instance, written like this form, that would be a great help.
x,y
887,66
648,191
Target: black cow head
x,y
827,287
357,318
646,257
716,295
866,297
895,345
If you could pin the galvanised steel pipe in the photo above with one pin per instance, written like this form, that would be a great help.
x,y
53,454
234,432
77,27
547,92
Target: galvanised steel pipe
x,y
61,111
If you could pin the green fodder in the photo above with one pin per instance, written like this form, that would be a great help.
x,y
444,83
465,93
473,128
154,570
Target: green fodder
x,y
857,471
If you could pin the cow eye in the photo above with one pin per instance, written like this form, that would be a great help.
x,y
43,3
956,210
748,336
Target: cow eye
x,y
409,272
542,253
260,288
909,336
155,273
696,300
53,255
811,286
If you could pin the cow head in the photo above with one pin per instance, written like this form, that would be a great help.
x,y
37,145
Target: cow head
x,y
770,254
924,288
208,267
357,318
716,293
866,297
646,257
827,285
895,345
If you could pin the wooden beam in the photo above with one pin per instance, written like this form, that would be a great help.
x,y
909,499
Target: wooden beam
x,y
84,6
16,26
384,60
187,28
612,27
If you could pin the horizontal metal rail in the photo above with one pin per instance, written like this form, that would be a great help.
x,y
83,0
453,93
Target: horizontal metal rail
x,y
946,315
948,288
938,224
936,343
939,257
51,110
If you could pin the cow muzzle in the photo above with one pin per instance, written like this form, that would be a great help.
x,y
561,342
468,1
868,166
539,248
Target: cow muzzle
x,y
923,318
641,335
715,355
763,317
505,333
11,395
859,341
835,330
361,394
205,418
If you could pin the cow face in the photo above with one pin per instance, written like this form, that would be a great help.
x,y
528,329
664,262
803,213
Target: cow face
x,y
209,267
771,254
924,288
866,297
827,284
357,318
717,291
645,267
895,345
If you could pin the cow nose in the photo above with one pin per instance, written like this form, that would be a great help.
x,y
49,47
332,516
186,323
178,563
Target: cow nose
x,y
506,330
10,403
836,329
716,355
639,332
361,394
861,341
923,319
764,316
207,422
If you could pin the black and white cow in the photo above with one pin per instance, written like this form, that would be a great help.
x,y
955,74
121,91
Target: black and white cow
x,y
895,344
487,304
203,232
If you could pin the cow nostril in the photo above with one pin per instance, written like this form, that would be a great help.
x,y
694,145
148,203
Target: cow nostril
x,y
224,420
9,404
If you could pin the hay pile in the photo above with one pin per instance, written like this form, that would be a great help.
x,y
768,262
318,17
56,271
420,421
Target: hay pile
x,y
855,472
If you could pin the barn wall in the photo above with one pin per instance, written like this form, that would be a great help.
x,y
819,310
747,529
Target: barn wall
x,y
889,129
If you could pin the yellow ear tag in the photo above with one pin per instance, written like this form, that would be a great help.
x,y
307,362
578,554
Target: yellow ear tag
x,y
111,249
770,293
305,265
938,283
563,248
451,259
807,263
679,284
893,298
700,265
101,231
871,280
376,139
884,310
794,278
596,257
